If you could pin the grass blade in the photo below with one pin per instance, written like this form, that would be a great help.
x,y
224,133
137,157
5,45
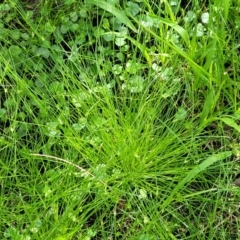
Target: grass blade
x,y
180,30
208,105
120,15
194,172
231,123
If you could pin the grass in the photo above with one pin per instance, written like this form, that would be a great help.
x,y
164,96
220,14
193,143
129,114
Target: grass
x,y
119,131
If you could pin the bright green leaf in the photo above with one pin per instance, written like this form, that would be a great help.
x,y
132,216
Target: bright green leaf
x,y
49,27
180,115
120,41
205,17
190,16
82,122
117,69
231,123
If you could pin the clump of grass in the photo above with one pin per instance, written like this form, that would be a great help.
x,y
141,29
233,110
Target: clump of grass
x,y
109,133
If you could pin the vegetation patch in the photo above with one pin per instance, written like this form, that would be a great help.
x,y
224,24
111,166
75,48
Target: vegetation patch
x,y
119,119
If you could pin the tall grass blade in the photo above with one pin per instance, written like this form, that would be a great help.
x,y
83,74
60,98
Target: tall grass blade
x,y
194,172
199,69
180,30
120,15
208,105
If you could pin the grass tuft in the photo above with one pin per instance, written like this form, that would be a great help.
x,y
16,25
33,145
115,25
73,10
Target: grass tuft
x,y
119,120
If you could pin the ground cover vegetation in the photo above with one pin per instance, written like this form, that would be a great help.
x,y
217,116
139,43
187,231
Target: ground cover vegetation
x,y
119,119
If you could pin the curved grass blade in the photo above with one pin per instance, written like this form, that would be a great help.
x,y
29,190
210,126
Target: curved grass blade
x,y
194,172
231,123
120,15
206,76
180,30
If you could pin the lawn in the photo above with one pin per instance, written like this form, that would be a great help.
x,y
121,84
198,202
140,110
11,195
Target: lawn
x,y
119,119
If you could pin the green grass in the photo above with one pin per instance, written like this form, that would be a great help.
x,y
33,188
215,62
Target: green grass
x,y
119,120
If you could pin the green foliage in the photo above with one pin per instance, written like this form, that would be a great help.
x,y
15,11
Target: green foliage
x,y
119,119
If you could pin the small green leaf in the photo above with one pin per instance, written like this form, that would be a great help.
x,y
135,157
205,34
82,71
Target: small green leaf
x,y
166,73
15,50
15,34
231,123
74,27
180,115
117,69
120,56
205,17
137,84
49,27
134,85
44,52
200,30
173,3
83,12
143,193
113,1
10,102
190,16
64,28
56,87
2,112
120,41
98,32
25,36
5,7
51,129
11,233
47,192
23,129
74,16
132,67
115,24
109,37
79,99
148,237
132,8
105,23
82,123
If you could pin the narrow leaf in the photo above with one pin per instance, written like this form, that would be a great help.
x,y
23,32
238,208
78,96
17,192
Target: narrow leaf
x,y
208,105
199,69
181,31
231,123
194,172
120,15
